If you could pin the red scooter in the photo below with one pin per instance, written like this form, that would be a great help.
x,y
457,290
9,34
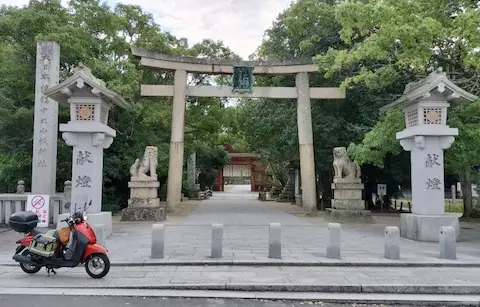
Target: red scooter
x,y
38,249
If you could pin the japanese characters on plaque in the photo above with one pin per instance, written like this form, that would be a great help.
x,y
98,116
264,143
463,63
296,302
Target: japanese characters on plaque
x,y
242,78
432,161
43,140
42,215
83,157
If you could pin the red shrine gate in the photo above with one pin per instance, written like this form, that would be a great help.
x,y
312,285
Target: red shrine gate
x,y
243,168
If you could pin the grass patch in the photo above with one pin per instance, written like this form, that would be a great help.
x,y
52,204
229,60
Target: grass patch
x,y
450,205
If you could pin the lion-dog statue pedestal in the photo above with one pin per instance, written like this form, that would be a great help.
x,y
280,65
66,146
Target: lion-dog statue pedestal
x,y
347,203
144,204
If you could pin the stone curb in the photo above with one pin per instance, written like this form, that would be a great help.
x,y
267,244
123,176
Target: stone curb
x,y
448,263
304,288
338,298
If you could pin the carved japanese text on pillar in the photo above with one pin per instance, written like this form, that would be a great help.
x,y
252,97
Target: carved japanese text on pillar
x,y
43,141
434,184
431,160
83,157
83,182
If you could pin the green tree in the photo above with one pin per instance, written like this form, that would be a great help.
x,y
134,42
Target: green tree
x,y
403,37
210,160
92,32
463,158
380,141
307,29
232,132
405,40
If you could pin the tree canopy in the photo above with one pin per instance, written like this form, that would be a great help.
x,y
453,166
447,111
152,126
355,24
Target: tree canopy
x,y
373,49
91,32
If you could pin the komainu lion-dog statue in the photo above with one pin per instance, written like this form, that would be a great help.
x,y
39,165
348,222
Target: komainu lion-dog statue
x,y
148,164
343,166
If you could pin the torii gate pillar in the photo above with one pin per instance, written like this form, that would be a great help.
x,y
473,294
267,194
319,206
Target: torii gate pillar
x,y
175,166
305,140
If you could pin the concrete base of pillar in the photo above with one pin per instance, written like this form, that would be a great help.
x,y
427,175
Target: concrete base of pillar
x,y
348,216
298,199
426,228
310,211
348,204
102,218
146,214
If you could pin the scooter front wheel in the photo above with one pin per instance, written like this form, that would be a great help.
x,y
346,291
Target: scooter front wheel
x,y
29,268
97,265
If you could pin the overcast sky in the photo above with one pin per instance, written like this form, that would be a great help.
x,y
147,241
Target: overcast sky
x,y
239,23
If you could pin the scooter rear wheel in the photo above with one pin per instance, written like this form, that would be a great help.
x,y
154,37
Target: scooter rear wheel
x,y
28,268
97,265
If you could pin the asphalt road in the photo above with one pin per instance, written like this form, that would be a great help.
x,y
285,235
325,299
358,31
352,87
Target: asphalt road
x,y
69,301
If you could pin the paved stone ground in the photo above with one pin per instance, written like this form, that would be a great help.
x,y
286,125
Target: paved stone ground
x,y
61,301
326,279
246,222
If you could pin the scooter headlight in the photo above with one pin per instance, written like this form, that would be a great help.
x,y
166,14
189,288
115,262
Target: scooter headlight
x,y
84,216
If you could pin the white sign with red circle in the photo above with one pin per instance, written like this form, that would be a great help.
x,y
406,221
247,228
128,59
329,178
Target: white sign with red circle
x,y
39,204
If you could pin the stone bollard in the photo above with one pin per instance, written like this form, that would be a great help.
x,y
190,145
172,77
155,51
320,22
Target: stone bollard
x,y
448,247
275,241
158,241
217,241
21,187
67,193
392,242
333,246
100,232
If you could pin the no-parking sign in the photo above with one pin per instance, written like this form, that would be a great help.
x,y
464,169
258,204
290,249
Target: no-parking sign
x,y
39,204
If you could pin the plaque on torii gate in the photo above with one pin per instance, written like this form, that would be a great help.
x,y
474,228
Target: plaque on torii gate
x,y
243,72
242,79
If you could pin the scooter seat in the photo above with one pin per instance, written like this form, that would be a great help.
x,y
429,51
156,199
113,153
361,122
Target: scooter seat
x,y
38,231
41,231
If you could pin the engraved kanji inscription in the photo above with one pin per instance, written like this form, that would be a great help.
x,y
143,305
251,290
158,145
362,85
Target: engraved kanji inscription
x,y
83,157
83,182
434,184
46,57
431,160
43,141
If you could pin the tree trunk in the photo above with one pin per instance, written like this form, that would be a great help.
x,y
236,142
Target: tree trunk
x,y
467,193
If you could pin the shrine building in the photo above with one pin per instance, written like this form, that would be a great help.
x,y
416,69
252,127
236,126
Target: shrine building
x,y
243,168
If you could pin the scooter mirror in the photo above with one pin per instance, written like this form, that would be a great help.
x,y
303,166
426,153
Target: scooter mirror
x,y
67,205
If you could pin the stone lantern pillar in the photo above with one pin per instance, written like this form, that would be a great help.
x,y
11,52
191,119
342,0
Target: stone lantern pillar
x,y
426,136
89,134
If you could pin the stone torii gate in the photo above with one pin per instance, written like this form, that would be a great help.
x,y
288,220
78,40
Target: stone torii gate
x,y
243,72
